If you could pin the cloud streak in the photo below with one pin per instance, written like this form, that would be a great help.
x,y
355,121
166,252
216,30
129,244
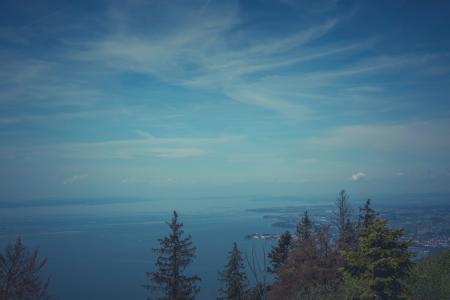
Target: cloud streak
x,y
224,62
148,146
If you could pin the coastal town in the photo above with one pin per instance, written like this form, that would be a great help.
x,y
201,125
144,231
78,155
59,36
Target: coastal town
x,y
428,227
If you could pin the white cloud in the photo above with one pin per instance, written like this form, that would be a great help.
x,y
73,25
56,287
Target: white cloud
x,y
358,176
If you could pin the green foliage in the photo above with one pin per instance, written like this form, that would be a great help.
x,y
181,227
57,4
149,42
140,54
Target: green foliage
x,y
430,278
233,277
380,264
174,255
280,252
21,274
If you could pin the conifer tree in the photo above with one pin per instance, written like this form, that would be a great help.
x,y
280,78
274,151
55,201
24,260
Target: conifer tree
x,y
21,274
176,252
380,264
280,252
233,277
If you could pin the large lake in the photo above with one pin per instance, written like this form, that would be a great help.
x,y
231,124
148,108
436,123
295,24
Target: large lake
x,y
101,249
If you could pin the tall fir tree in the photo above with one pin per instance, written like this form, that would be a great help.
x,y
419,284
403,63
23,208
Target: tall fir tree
x,y
280,252
176,252
233,277
377,269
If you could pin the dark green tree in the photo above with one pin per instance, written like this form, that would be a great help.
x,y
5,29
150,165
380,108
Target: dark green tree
x,y
233,277
176,252
21,274
377,269
280,252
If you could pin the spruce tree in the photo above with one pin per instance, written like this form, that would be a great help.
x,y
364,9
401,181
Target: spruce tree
x,y
380,264
280,252
233,277
176,252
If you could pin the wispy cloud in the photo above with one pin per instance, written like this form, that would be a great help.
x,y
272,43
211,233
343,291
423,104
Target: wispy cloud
x,y
224,62
193,87
149,146
205,48
205,53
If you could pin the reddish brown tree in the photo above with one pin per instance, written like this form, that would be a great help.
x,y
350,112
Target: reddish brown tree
x,y
311,264
21,274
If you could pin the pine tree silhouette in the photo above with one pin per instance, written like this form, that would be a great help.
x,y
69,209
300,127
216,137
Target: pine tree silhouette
x,y
174,255
233,277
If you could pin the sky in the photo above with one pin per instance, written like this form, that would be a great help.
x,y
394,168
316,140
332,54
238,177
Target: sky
x,y
188,98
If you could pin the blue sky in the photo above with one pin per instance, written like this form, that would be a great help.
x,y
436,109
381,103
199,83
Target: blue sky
x,y
151,98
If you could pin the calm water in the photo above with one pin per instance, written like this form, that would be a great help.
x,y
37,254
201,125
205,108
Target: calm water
x,y
103,251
